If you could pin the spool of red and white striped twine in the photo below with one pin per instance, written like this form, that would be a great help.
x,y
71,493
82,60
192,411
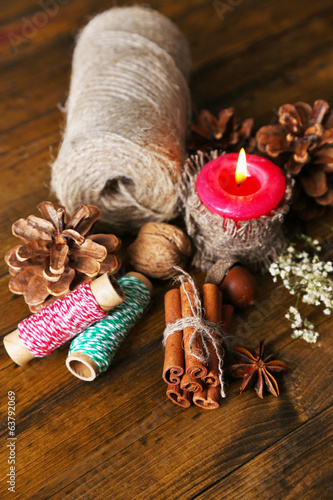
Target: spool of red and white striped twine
x,y
55,324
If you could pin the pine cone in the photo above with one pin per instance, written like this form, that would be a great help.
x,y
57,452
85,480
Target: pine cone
x,y
303,143
225,132
57,255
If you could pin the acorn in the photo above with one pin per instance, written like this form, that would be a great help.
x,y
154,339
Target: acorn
x,y
239,287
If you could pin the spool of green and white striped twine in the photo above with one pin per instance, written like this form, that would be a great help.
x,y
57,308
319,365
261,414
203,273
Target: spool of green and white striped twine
x,y
92,351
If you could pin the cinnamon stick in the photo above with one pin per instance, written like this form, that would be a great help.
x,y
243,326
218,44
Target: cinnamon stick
x,y
212,303
178,396
190,383
193,366
173,367
208,398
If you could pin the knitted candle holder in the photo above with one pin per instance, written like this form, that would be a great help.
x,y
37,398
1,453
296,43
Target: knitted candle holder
x,y
219,241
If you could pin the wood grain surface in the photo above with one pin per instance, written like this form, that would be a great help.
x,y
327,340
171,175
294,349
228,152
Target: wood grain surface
x,y
119,436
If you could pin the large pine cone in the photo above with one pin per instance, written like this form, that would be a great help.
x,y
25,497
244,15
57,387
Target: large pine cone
x,y
302,142
57,254
225,132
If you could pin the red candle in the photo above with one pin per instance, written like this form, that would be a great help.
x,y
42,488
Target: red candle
x,y
258,190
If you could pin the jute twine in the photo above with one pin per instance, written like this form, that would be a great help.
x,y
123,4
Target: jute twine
x,y
256,242
206,330
127,111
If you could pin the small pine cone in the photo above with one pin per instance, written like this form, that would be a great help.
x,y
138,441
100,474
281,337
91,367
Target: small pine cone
x,y
302,142
57,254
225,132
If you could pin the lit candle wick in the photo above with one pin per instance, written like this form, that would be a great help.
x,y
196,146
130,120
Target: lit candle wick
x,y
241,168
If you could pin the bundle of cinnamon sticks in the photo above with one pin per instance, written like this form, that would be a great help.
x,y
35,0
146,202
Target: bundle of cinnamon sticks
x,y
188,378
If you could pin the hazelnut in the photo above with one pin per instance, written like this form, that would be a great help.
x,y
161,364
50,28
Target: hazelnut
x,y
157,248
239,287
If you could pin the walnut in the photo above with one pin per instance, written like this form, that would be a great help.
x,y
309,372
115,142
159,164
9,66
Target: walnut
x,y
157,248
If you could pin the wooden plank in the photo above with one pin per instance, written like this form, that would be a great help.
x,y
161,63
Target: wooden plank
x,y
31,25
253,20
27,132
91,418
13,310
121,434
297,466
45,63
223,29
284,69
40,100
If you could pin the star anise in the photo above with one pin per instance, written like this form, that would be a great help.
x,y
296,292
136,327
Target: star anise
x,y
257,369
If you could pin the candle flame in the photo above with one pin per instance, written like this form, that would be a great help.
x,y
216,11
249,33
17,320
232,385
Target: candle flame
x,y
241,169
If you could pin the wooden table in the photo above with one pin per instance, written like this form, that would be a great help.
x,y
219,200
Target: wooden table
x,y
119,437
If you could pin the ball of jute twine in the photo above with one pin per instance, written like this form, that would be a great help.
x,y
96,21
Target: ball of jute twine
x,y
220,242
127,112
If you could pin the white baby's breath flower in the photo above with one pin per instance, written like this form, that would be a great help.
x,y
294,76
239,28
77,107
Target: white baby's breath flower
x,y
308,277
329,267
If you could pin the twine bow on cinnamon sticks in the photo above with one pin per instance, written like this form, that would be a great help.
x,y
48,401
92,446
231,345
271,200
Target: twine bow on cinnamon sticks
x,y
193,340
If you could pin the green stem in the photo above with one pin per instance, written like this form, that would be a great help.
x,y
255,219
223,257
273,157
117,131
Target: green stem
x,y
326,224
297,300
